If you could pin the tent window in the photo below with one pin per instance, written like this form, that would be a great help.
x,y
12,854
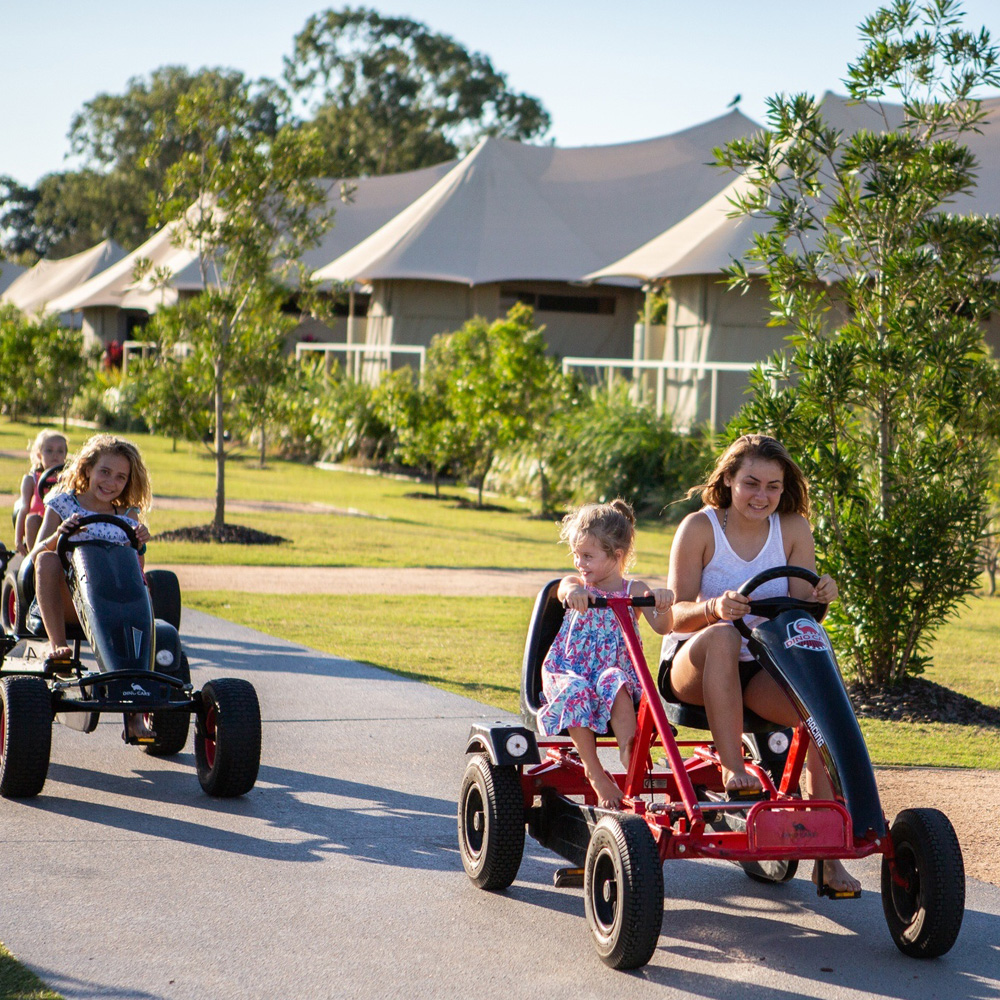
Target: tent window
x,y
592,305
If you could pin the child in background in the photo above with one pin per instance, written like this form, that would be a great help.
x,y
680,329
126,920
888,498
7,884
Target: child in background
x,y
107,477
587,677
47,450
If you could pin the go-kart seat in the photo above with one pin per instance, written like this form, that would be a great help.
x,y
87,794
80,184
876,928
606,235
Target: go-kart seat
x,y
546,620
31,624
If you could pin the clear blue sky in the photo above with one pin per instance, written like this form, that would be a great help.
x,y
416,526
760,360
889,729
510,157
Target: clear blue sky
x,y
607,72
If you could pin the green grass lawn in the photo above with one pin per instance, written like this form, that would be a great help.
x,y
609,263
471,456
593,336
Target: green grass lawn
x,y
19,983
401,531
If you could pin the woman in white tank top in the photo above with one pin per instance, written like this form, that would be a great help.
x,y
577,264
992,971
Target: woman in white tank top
x,y
756,504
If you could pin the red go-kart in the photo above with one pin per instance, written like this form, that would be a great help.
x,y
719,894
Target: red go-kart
x,y
515,779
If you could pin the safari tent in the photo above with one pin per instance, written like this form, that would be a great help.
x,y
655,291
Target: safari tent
x,y
707,324
513,222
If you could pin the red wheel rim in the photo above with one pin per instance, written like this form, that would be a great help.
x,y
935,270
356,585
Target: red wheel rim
x,y
210,737
12,608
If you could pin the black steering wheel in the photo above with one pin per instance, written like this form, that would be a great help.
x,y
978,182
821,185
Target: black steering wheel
x,y
65,540
771,607
47,480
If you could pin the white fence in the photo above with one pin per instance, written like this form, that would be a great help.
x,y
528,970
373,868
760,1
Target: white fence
x,y
695,371
356,353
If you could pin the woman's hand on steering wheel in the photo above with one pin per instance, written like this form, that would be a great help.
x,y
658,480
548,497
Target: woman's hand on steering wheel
x,y
825,591
730,606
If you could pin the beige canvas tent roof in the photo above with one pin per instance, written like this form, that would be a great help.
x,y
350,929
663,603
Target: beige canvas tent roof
x,y
50,279
370,201
708,241
511,211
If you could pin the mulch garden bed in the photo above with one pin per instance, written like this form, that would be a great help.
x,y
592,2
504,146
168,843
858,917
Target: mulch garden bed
x,y
915,699
229,534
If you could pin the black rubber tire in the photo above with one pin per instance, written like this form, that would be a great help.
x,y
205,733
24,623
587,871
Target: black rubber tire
x,y
770,872
8,606
25,736
165,595
925,915
227,738
491,823
623,891
171,728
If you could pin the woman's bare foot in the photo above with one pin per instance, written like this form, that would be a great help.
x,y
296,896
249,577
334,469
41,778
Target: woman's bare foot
x,y
836,877
609,795
740,783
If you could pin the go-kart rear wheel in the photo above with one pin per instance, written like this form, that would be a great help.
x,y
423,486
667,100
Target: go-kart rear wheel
x,y
924,899
227,738
165,595
491,823
25,736
769,752
171,728
11,613
623,891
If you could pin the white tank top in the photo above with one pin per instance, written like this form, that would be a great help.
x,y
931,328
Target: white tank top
x,y
727,571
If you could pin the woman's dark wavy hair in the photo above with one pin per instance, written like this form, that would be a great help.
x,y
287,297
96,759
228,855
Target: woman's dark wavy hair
x,y
795,492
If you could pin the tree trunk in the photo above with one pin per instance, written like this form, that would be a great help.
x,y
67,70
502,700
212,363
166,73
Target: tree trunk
x,y
263,443
219,520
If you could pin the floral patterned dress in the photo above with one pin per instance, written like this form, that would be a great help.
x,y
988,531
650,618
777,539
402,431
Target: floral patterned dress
x,y
585,668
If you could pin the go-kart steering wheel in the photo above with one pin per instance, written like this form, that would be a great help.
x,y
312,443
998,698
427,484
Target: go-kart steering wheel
x,y
64,543
47,480
771,607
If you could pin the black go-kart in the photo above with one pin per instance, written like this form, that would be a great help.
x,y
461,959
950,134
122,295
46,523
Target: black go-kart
x,y
517,779
141,671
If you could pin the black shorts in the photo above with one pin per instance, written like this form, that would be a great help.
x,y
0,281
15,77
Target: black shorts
x,y
748,670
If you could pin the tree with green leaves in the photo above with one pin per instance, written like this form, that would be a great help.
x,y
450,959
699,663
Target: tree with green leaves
x,y
264,372
176,395
60,365
245,205
495,381
388,94
887,393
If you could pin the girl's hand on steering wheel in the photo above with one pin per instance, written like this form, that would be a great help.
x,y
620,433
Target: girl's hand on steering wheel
x,y
826,590
142,534
730,606
69,525
578,599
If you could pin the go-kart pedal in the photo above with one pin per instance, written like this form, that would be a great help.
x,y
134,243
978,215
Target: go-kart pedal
x,y
567,878
136,732
824,889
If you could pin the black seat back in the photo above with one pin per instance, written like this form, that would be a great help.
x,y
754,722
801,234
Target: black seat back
x,y
546,620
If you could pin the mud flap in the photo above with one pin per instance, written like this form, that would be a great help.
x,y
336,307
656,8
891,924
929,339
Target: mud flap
x,y
796,652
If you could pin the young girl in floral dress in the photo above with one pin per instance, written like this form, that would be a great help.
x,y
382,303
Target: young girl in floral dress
x,y
587,677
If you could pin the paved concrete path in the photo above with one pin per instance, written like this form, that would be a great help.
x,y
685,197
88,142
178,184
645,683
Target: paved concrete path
x,y
338,875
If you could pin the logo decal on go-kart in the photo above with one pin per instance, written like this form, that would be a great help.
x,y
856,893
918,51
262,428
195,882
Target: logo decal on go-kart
x,y
806,633
139,690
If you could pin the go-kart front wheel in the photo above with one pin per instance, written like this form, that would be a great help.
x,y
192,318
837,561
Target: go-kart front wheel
x,y
491,823
171,727
623,891
924,898
25,736
227,738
